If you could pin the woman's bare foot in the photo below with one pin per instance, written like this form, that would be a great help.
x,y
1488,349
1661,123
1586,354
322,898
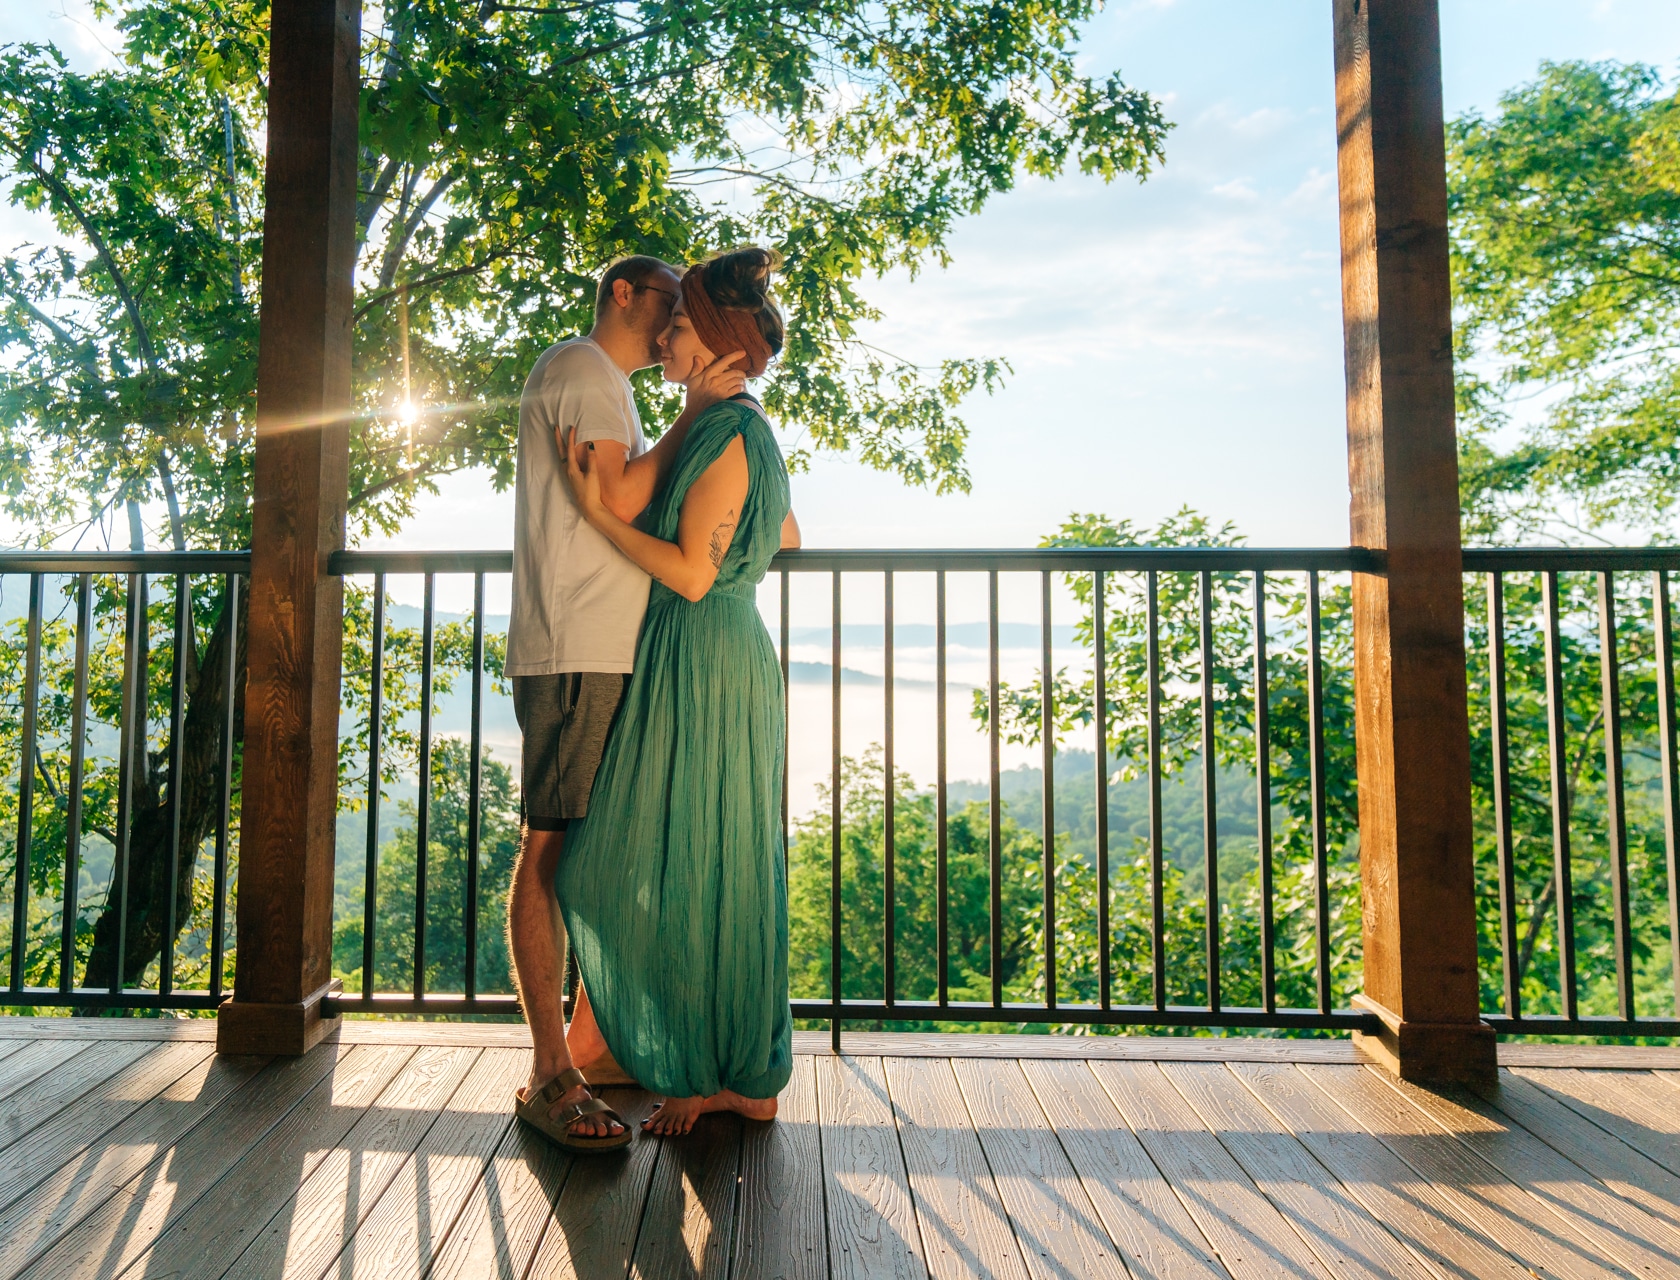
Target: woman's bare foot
x,y
589,1126
676,1116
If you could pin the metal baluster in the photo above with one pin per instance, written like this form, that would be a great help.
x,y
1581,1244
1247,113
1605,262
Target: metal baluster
x,y
376,731
224,802
131,760
1321,853
475,788
836,815
184,642
1210,796
995,782
26,779
73,815
942,889
1671,784
890,907
1047,739
787,712
1563,879
1499,721
1615,805
1263,796
423,809
1157,922
1100,674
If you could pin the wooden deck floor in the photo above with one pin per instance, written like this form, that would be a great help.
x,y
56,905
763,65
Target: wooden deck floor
x,y
129,1148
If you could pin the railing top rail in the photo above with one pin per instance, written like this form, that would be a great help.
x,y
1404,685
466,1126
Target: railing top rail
x,y
125,561
1570,559
928,559
909,560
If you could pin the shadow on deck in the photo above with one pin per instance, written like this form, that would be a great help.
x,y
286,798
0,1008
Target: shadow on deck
x,y
128,1148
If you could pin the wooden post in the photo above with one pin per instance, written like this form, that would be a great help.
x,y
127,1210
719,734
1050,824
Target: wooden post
x,y
300,485
1414,752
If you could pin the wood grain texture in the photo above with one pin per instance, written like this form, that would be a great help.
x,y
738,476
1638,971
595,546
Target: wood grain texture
x,y
31,1223
1639,1242
1625,1171
299,1231
401,1236
1058,1228
48,1146
871,1223
9,1047
499,1228
1436,1229
596,1220
263,1119
1596,1057
24,1068
1416,837
37,1102
1248,1233
782,1232
1498,1206
1623,1112
965,1228
1335,1225
689,1220
1144,1217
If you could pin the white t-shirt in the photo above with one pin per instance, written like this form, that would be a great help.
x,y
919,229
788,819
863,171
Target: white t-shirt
x,y
577,599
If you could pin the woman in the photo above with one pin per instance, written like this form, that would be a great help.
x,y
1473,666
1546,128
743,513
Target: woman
x,y
674,889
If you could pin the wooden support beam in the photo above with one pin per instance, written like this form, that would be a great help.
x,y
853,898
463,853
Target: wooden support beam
x,y
300,486
1409,676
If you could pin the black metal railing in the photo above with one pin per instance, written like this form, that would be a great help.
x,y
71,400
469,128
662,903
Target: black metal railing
x,y
102,671
1581,945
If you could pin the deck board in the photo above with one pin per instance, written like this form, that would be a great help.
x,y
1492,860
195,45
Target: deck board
x,y
392,1154
1603,1155
1348,1240
1143,1215
780,1230
1639,1242
1520,1223
871,1225
963,1225
498,1231
1436,1229
38,1101
1055,1222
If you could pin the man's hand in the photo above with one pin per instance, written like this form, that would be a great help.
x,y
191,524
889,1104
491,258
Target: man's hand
x,y
716,381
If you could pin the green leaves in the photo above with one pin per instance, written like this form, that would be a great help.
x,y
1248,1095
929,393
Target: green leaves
x,y
1565,213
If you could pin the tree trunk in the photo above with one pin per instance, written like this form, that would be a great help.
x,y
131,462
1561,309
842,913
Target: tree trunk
x,y
150,854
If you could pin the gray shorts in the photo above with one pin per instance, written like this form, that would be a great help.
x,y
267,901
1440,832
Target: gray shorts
x,y
564,719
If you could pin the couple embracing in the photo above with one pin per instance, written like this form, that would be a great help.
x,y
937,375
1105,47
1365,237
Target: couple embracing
x,y
650,700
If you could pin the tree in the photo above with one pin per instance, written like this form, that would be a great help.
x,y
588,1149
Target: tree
x,y
1565,209
507,153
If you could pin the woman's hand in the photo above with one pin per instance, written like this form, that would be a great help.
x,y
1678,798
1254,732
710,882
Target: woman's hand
x,y
716,381
582,478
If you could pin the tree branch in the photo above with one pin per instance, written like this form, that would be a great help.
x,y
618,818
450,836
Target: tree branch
x,y
399,246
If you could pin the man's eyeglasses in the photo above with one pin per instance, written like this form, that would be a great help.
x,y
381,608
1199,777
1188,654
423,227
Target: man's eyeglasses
x,y
672,294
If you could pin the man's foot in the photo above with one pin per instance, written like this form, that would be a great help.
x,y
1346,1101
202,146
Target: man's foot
x,y
676,1116
588,1126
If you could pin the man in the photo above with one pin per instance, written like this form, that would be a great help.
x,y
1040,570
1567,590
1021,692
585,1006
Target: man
x,y
577,612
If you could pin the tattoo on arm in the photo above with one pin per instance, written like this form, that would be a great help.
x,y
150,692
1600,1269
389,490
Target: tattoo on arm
x,y
720,538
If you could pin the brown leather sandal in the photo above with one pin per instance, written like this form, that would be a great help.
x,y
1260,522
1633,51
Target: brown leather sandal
x,y
533,1110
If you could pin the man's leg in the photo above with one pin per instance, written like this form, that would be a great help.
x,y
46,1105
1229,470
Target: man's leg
x,y
536,941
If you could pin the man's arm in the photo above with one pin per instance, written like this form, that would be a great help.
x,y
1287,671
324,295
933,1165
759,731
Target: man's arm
x,y
628,484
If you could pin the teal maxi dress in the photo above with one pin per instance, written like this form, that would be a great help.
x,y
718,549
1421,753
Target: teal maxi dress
x,y
674,888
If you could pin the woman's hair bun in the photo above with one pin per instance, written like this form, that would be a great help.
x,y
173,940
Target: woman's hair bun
x,y
740,280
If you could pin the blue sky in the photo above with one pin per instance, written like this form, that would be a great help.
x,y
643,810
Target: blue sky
x,y
1174,342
